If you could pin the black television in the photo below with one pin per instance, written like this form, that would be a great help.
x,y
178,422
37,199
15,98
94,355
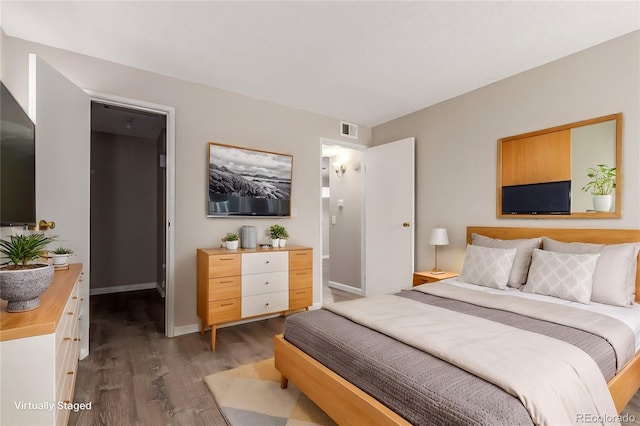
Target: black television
x,y
537,198
17,163
248,182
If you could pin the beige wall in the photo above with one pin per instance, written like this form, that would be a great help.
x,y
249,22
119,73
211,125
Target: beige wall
x,y
456,141
203,114
345,236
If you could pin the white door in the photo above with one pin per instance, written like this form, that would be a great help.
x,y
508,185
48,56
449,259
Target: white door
x,y
389,217
61,112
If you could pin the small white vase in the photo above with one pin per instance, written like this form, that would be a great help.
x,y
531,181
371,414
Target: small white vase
x,y
275,242
60,259
283,242
602,203
232,245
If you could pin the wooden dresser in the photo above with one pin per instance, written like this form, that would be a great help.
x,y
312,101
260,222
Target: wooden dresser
x,y
250,283
39,350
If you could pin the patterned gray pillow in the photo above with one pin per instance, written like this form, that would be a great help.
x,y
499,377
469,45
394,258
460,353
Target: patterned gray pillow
x,y
564,275
487,266
614,280
524,246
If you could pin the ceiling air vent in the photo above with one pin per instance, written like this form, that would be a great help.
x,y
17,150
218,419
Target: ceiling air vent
x,y
349,130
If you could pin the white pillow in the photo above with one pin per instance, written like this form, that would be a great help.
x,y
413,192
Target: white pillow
x,y
487,266
564,275
614,280
524,246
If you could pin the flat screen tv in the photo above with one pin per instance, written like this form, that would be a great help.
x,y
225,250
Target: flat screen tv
x,y
248,182
537,198
17,163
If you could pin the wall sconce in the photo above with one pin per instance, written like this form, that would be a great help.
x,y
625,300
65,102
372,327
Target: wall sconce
x,y
439,237
340,168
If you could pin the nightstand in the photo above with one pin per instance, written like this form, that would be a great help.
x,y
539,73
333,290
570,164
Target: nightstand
x,y
427,277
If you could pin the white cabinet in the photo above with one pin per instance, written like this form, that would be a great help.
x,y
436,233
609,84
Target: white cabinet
x,y
39,353
265,283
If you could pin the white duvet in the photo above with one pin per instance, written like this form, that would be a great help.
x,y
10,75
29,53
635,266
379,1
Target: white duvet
x,y
628,315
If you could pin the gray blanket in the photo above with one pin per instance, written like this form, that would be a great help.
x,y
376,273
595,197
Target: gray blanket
x,y
421,388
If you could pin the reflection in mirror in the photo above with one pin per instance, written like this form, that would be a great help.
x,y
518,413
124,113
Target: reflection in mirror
x,y
535,169
590,145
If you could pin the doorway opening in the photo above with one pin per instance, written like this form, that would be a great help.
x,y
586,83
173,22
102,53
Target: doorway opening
x,y
342,221
128,204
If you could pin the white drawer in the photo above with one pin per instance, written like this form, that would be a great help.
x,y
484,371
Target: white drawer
x,y
269,282
265,303
258,263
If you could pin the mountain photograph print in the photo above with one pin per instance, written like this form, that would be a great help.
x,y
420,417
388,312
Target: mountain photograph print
x,y
248,182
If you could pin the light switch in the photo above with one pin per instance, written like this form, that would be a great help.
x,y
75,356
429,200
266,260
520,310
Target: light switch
x,y
341,203
333,220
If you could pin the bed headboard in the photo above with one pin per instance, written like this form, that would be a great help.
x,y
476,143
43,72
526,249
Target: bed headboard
x,y
596,236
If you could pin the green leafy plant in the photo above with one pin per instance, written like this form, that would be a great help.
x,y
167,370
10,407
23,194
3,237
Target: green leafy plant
x,y
278,231
603,180
21,249
230,237
62,250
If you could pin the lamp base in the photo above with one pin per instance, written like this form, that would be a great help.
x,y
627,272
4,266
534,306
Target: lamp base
x,y
435,271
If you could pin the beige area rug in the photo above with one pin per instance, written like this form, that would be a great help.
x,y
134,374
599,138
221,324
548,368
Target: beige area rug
x,y
251,396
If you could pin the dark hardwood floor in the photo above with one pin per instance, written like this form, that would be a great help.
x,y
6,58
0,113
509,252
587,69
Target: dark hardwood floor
x,y
136,376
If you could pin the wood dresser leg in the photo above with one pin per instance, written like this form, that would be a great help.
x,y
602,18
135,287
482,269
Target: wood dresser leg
x,y
202,327
213,337
284,382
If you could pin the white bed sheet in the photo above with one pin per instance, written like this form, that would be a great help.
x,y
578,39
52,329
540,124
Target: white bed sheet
x,y
629,315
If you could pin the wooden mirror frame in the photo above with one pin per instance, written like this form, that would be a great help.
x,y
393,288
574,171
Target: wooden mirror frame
x,y
573,215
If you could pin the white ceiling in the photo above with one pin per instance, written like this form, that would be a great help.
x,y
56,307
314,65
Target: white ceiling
x,y
363,62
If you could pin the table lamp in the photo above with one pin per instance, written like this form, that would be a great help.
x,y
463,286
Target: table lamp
x,y
438,237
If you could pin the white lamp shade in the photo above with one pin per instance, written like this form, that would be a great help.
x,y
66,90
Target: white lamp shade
x,y
439,237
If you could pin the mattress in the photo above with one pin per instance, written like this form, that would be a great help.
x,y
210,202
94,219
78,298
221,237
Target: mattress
x,y
422,388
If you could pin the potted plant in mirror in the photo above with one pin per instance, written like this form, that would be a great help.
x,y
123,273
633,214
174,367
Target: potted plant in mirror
x,y
284,236
22,282
231,241
60,256
602,183
275,231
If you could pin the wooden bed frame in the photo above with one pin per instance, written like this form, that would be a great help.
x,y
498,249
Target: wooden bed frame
x,y
348,405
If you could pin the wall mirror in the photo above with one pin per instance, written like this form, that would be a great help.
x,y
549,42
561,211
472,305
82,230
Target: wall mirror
x,y
542,173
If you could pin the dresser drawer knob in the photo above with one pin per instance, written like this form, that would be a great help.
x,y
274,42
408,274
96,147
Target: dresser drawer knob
x,y
69,372
74,297
226,258
266,304
266,261
226,304
66,338
266,283
69,313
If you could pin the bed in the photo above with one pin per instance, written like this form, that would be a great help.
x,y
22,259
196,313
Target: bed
x,y
349,404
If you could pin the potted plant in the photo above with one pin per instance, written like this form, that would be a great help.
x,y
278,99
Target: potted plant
x,y
284,236
22,282
60,256
602,183
231,241
275,231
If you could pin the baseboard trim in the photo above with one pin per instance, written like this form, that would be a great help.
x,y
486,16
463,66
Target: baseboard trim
x,y
121,288
344,287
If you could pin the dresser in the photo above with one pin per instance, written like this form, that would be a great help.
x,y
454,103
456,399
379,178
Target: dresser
x,y
39,351
239,284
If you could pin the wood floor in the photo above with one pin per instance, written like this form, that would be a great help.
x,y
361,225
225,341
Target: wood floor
x,y
136,376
